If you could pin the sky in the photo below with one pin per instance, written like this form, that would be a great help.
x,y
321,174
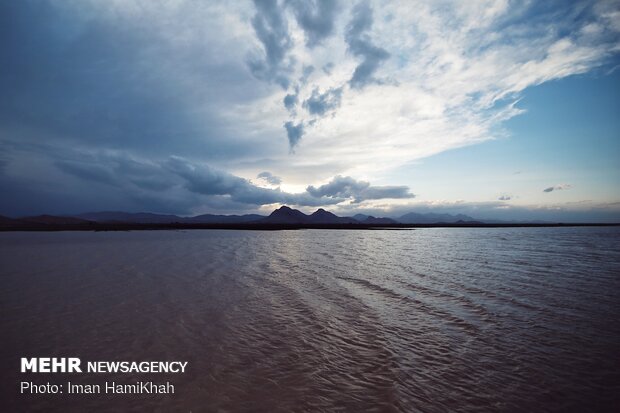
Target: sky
x,y
494,108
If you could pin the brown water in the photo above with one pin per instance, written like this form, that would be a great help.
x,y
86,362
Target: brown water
x,y
433,320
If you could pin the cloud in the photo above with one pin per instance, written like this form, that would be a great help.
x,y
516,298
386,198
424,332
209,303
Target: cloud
x,y
171,185
92,77
86,171
290,101
270,178
456,77
271,28
206,180
294,133
347,187
321,103
96,95
360,45
306,73
79,181
116,170
559,187
504,198
214,183
178,81
316,18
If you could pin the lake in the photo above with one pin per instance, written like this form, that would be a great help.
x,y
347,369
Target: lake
x,y
433,320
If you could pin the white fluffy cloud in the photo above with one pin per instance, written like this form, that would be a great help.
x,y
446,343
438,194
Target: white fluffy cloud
x,y
451,73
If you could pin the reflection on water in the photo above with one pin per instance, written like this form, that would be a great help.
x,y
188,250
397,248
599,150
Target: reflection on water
x,y
428,320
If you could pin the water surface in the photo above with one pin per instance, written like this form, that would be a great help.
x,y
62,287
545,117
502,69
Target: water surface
x,y
501,319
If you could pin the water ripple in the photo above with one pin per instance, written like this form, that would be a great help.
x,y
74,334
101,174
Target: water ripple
x,y
433,320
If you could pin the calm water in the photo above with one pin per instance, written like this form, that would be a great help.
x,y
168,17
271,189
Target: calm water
x,y
428,320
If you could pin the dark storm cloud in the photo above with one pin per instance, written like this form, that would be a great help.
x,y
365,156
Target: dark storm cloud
x,y
87,171
360,45
347,187
145,175
70,75
316,18
117,170
294,133
557,188
270,178
177,182
205,180
82,182
77,79
321,103
271,28
196,184
4,159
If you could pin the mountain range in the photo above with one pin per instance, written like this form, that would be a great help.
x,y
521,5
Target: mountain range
x,y
433,218
282,215
148,218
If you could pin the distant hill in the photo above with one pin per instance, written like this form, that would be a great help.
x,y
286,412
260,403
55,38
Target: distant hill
x,y
369,219
148,218
286,215
54,220
360,217
321,216
433,218
373,220
223,219
6,222
139,217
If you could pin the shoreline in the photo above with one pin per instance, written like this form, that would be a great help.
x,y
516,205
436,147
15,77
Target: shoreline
x,y
96,227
